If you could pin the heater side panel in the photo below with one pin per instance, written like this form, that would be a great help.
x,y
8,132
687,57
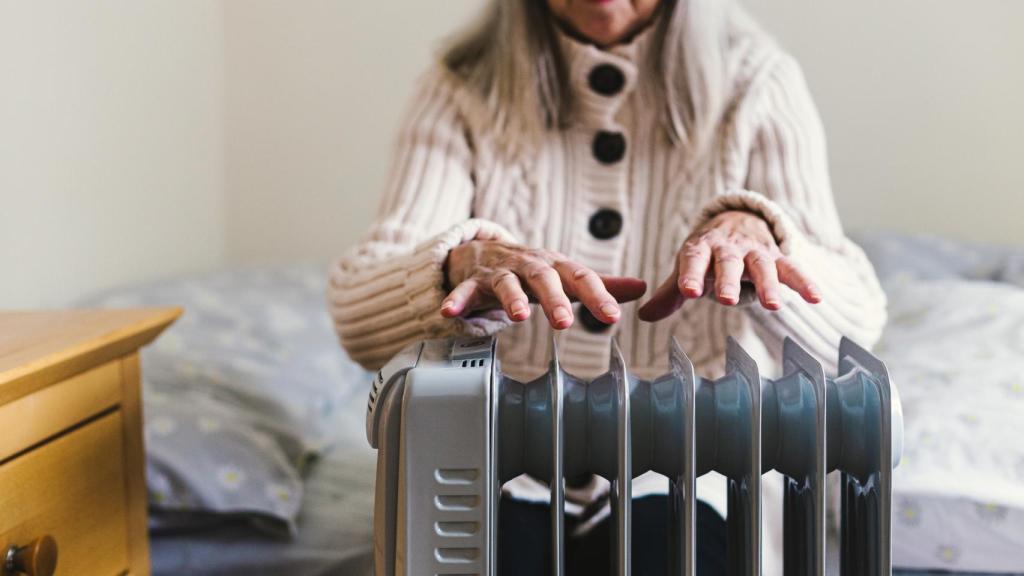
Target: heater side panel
x,y
444,493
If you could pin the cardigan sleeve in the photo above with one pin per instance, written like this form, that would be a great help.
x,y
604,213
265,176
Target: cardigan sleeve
x,y
386,292
786,181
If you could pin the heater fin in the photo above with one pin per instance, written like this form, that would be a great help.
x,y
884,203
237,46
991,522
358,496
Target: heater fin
x,y
867,507
555,377
745,489
622,486
683,497
805,500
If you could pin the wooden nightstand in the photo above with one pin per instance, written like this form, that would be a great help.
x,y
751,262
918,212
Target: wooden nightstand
x,y
72,472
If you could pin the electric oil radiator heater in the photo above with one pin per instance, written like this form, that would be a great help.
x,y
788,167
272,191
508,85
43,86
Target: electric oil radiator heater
x,y
450,429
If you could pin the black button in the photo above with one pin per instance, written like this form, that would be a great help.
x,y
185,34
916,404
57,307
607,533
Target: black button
x,y
605,223
606,79
590,322
609,147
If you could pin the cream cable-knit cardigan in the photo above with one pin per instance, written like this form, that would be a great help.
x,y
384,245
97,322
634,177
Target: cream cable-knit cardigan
x,y
449,185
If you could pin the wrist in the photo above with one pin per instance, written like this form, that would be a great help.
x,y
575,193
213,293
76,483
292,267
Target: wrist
x,y
460,263
446,276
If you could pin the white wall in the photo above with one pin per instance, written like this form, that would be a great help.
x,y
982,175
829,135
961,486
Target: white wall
x,y
315,89
110,145
923,104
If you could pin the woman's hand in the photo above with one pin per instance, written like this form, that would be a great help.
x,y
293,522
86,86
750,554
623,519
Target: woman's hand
x,y
732,247
488,273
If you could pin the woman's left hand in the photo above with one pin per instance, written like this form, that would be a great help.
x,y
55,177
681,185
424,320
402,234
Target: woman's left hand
x,y
732,247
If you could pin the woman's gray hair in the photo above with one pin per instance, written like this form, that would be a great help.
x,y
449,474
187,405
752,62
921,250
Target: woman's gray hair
x,y
511,59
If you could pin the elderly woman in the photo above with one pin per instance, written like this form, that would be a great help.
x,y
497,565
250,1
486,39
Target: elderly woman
x,y
577,150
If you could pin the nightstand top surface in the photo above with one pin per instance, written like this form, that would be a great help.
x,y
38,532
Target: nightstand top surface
x,y
38,348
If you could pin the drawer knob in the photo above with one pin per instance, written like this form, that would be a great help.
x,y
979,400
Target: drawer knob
x,y
38,558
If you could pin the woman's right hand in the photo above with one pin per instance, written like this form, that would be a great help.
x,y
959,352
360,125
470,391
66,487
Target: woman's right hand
x,y
488,273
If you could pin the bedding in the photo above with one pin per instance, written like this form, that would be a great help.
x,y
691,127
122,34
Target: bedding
x,y
955,348
956,351
335,522
899,257
239,394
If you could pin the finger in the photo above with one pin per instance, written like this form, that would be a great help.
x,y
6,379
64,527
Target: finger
x,y
665,301
460,298
728,272
587,287
509,291
791,275
546,286
693,260
761,268
624,288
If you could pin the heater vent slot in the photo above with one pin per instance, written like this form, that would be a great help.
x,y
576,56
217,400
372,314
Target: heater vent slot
x,y
456,476
457,503
378,382
456,529
456,555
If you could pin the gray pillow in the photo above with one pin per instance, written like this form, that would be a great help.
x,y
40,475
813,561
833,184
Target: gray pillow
x,y
240,393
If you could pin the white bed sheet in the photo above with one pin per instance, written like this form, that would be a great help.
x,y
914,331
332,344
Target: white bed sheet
x,y
955,349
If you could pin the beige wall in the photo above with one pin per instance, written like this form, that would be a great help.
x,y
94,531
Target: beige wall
x,y
922,103
315,90
110,145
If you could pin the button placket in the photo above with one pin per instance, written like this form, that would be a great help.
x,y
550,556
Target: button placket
x,y
606,88
605,96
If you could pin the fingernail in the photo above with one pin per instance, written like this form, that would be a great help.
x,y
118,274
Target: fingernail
x,y
691,285
447,305
771,299
561,315
814,292
518,310
610,310
728,294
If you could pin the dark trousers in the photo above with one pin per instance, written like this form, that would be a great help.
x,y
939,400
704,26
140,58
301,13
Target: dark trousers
x,y
524,541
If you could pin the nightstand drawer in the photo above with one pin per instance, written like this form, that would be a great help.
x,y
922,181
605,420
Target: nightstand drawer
x,y
56,408
73,489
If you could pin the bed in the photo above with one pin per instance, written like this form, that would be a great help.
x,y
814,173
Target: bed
x,y
954,345
257,462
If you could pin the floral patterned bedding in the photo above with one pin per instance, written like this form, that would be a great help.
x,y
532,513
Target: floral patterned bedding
x,y
241,393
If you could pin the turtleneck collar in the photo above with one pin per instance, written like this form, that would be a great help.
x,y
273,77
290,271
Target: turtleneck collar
x,y
588,65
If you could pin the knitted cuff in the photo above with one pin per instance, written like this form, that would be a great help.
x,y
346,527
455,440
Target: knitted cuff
x,y
425,281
